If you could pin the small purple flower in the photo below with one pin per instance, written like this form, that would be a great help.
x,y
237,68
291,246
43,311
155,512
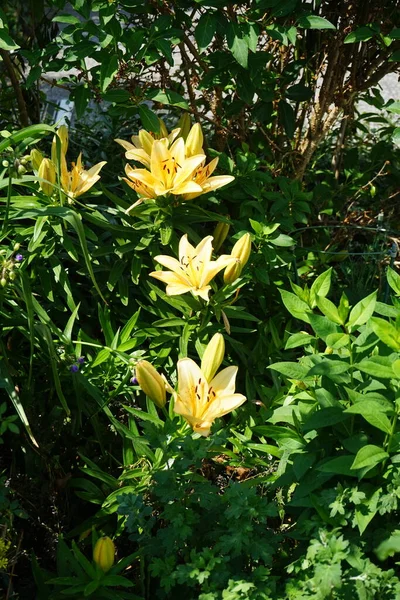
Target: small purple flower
x,y
74,368
19,257
81,360
134,381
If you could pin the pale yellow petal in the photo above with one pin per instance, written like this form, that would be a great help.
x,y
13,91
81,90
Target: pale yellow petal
x,y
177,151
139,155
146,141
171,278
194,141
222,406
125,144
202,292
188,168
186,251
177,289
141,175
224,381
171,263
159,157
212,268
213,183
192,387
188,187
93,171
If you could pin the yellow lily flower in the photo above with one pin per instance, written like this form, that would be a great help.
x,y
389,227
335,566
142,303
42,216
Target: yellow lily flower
x,y
193,271
78,181
170,172
140,149
201,402
203,179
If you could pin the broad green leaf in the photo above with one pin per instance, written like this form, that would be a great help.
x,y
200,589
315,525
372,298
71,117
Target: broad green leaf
x,y
328,309
323,327
361,34
389,547
325,417
81,99
299,339
320,286
287,118
149,119
366,510
393,280
362,311
167,97
337,340
341,465
315,22
297,308
6,42
108,70
329,367
386,332
70,19
377,366
369,456
33,131
396,137
205,30
291,370
7,383
373,412
237,44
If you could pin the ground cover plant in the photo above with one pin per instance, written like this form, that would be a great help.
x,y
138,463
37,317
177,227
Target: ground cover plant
x,y
199,301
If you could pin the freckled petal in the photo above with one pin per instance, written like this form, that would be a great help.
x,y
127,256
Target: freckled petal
x,y
174,134
224,381
212,165
141,175
170,263
191,381
85,184
222,406
188,167
177,150
159,153
186,250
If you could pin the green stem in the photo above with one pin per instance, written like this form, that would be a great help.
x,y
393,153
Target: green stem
x,y
9,188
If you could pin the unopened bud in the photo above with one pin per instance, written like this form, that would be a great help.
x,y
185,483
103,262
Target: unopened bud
x,y
242,249
213,356
17,246
220,232
104,553
163,129
47,173
151,382
21,170
5,163
36,159
233,271
24,160
62,133
184,125
194,141
3,282
12,275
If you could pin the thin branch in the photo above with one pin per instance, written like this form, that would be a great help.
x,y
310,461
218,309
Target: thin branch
x,y
23,113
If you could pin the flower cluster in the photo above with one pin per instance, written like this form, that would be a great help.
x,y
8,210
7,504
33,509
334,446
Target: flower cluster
x,y
75,182
203,394
175,164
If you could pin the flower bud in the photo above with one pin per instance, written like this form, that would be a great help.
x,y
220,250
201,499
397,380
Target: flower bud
x,y
21,170
220,232
12,275
36,159
213,356
5,163
163,129
47,172
242,249
151,383
103,553
233,271
62,133
184,124
3,282
194,141
17,246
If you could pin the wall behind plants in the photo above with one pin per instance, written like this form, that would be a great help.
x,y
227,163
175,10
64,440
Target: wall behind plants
x,y
294,492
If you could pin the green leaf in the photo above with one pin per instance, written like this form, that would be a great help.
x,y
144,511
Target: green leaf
x,y
396,137
325,417
329,367
46,335
295,306
320,286
287,118
389,547
237,44
167,97
377,366
6,42
328,309
108,69
362,311
369,456
361,34
386,332
7,383
149,119
299,339
366,510
395,56
205,30
315,22
393,279
70,19
341,465
33,131
291,370
81,99
373,412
